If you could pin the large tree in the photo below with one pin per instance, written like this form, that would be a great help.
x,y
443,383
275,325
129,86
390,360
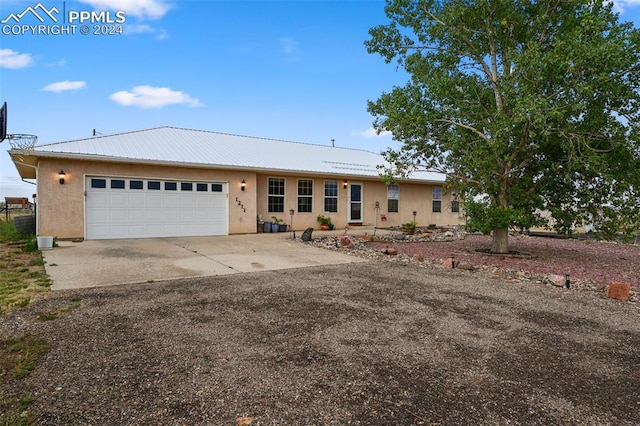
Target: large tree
x,y
527,106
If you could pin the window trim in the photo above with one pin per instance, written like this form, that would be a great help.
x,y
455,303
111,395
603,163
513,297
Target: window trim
x,y
308,197
271,196
396,199
437,199
326,197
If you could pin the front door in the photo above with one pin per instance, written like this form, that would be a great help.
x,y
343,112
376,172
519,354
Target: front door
x,y
355,202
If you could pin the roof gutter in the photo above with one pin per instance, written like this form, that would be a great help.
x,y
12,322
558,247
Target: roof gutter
x,y
105,158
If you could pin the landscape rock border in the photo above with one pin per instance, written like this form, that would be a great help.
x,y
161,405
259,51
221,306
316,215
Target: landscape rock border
x,y
360,247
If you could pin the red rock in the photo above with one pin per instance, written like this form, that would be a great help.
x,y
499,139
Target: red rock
x,y
619,291
390,251
450,263
466,266
557,280
346,242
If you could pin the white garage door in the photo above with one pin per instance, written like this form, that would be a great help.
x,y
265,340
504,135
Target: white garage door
x,y
145,208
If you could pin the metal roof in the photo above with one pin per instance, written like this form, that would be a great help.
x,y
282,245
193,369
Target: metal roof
x,y
171,145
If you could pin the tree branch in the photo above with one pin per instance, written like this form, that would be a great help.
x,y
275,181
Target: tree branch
x,y
464,126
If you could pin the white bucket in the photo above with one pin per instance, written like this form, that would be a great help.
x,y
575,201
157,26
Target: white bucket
x,y
45,243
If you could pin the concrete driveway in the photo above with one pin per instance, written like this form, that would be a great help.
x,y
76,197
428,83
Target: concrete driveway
x,y
97,263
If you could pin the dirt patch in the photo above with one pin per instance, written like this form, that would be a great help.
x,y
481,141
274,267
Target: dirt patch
x,y
366,343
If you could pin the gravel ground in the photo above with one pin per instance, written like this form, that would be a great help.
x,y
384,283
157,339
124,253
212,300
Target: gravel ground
x,y
372,343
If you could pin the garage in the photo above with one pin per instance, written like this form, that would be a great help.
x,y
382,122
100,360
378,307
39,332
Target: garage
x,y
121,207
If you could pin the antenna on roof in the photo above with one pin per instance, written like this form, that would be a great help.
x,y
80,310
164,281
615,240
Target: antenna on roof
x,y
95,132
333,143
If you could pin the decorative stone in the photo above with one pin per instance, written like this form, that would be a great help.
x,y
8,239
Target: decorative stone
x,y
346,242
390,251
450,263
557,280
306,235
244,421
466,266
619,291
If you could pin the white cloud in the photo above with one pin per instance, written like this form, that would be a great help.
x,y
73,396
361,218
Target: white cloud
x,y
63,86
60,63
14,60
153,97
160,34
144,9
370,133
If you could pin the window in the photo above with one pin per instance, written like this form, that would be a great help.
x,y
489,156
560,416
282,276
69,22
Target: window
x,y
186,186
392,198
153,185
305,195
136,184
170,186
117,183
202,187
455,203
331,196
216,187
437,199
98,183
275,199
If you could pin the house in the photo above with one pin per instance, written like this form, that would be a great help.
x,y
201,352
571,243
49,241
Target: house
x,y
168,181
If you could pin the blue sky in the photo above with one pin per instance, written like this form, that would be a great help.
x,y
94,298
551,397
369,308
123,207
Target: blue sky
x,y
294,70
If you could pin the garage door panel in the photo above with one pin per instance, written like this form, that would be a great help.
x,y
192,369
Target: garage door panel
x,y
137,200
153,200
118,200
118,215
140,213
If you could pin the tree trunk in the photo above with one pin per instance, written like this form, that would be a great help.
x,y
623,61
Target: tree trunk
x,y
500,242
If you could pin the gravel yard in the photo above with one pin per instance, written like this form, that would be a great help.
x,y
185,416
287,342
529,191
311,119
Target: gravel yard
x,y
369,343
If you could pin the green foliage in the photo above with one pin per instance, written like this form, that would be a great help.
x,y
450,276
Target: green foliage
x,y
482,216
17,282
18,358
324,220
8,232
25,352
51,315
533,105
31,246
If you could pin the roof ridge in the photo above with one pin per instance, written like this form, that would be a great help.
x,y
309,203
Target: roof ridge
x,y
202,131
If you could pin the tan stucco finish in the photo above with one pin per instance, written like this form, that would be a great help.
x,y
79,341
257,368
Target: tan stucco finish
x,y
60,208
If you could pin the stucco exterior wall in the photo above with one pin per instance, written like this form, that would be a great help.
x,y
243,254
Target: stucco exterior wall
x,y
61,208
412,197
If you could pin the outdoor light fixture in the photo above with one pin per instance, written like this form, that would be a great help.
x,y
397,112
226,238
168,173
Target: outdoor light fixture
x,y
243,185
344,184
293,233
61,175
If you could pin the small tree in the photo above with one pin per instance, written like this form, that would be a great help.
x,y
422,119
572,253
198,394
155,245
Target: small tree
x,y
526,106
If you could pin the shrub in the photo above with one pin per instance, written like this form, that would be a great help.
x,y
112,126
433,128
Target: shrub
x,y
8,232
